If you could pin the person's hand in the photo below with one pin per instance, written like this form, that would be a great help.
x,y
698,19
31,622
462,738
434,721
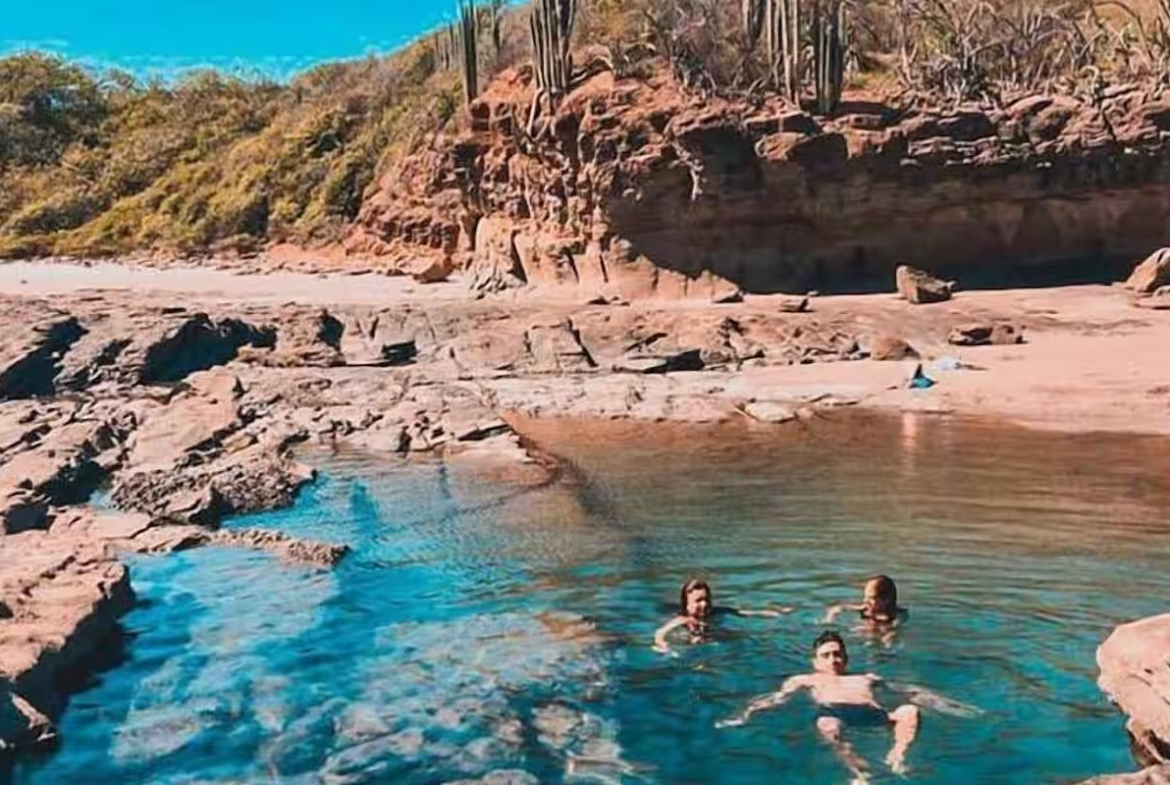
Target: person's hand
x,y
665,650
732,722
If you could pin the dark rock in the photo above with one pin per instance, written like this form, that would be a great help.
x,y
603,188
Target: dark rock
x,y
920,287
196,344
667,362
23,728
966,126
28,368
22,510
985,334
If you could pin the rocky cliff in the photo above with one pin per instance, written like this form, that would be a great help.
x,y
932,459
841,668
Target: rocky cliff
x,y
639,188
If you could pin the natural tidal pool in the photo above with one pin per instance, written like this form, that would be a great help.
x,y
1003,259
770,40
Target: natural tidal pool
x,y
483,628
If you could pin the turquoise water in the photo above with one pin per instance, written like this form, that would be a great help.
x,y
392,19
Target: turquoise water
x,y
485,629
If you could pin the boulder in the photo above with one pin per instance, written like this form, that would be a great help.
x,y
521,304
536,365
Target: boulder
x,y
1151,274
983,334
1135,674
437,269
887,347
919,287
794,305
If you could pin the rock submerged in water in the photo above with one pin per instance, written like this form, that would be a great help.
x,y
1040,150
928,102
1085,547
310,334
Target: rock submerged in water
x,y
920,288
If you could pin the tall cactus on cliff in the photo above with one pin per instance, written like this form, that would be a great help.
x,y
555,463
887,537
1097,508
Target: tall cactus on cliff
x,y
469,50
829,53
780,22
753,21
551,26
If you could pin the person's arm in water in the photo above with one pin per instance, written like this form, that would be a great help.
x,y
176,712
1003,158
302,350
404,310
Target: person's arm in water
x,y
836,610
660,644
786,691
767,613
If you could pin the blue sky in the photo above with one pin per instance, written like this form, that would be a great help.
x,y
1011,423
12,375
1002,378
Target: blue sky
x,y
278,37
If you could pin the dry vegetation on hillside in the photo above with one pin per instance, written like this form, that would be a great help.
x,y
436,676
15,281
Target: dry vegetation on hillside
x,y
100,163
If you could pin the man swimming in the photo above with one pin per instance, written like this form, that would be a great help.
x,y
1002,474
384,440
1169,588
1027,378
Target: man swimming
x,y
696,609
878,606
843,700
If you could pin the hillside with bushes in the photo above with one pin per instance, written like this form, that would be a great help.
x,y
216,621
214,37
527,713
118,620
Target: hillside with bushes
x,y
101,163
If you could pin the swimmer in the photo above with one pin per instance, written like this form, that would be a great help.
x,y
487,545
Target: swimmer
x,y
696,608
878,606
844,700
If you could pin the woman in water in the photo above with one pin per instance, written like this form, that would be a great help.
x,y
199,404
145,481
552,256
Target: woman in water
x,y
696,609
878,607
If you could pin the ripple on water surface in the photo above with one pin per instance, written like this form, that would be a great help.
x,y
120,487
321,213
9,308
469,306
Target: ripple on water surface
x,y
481,633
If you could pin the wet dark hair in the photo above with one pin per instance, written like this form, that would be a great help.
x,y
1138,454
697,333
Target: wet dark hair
x,y
687,588
829,636
886,590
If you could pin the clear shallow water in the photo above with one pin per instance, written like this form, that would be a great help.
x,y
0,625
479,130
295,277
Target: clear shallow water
x,y
478,628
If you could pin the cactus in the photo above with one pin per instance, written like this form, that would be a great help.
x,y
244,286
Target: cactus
x,y
753,20
551,26
829,53
468,50
496,9
781,23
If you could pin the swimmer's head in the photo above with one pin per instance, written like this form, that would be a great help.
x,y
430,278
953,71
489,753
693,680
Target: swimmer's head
x,y
881,598
829,654
695,599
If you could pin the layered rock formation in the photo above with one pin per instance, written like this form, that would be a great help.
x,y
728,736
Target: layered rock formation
x,y
636,187
1135,674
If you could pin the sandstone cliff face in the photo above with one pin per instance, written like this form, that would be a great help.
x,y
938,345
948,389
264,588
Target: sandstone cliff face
x,y
640,189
